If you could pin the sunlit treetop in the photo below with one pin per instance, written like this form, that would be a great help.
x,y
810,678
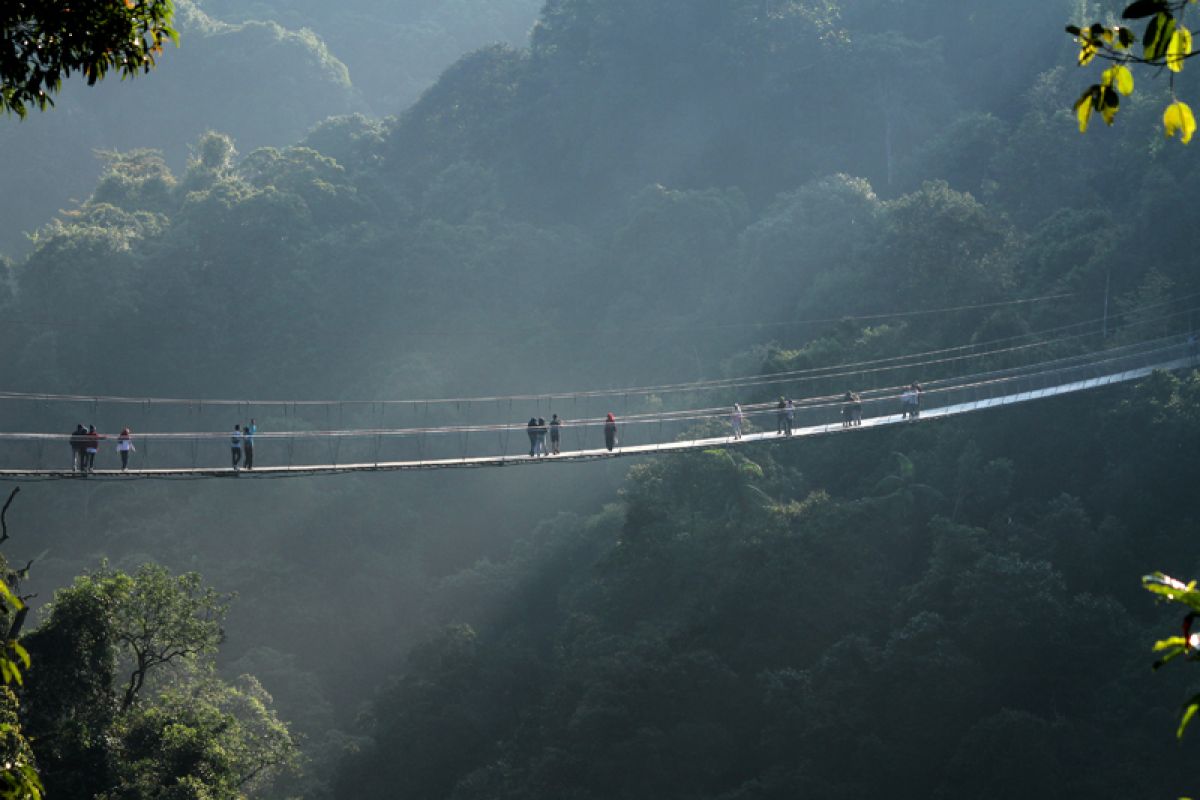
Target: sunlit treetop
x,y
44,41
1165,42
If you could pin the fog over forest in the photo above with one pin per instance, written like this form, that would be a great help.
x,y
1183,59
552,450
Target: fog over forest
x,y
403,231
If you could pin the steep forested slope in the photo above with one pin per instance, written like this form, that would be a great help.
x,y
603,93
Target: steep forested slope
x,y
942,611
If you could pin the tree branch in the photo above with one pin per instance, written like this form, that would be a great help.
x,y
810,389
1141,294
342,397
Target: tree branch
x,y
3,524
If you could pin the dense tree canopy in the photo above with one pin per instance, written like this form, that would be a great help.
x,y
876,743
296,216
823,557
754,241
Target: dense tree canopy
x,y
110,640
42,43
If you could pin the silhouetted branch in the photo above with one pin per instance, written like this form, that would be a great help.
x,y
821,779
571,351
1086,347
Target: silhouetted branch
x,y
3,511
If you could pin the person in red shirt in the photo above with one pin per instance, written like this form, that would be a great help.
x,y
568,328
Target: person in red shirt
x,y
93,445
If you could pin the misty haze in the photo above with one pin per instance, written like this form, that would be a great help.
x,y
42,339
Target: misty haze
x,y
598,399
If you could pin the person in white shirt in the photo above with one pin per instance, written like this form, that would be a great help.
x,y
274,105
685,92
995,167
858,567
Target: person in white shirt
x,y
125,446
235,445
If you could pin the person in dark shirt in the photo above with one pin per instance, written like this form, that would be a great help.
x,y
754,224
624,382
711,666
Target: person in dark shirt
x,y
610,432
91,446
78,448
555,430
532,430
248,444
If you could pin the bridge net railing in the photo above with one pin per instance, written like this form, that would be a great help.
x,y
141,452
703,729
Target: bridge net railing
x,y
357,434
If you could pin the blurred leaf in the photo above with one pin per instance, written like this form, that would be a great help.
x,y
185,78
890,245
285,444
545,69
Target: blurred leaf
x,y
1143,8
1170,656
1172,589
1179,48
1178,117
1110,103
21,652
1084,107
1119,77
1158,36
1174,641
1189,710
1087,51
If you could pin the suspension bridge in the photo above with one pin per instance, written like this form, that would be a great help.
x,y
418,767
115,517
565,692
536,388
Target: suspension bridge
x,y
445,433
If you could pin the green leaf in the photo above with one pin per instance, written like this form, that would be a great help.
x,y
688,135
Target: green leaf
x,y
1143,8
21,652
1174,590
1158,36
1087,51
1110,103
1178,118
1179,48
1174,641
1168,657
7,596
1189,710
1119,77
1084,107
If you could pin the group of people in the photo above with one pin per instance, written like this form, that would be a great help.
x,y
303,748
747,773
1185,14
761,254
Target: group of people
x,y
785,416
851,409
910,402
537,429
85,440
85,443
241,445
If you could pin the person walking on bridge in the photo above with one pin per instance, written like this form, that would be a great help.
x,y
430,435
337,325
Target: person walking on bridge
x,y
790,415
125,447
92,446
78,448
610,432
248,444
910,402
847,409
781,416
555,430
735,419
235,446
532,430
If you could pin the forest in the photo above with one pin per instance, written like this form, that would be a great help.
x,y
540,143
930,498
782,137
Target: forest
x,y
453,198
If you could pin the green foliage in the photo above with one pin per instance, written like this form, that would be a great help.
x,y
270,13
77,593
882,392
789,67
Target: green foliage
x,y
1185,594
205,738
172,728
1166,42
42,44
19,779
729,631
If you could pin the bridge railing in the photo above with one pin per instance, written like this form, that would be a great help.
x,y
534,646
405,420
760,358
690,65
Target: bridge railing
x,y
509,439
